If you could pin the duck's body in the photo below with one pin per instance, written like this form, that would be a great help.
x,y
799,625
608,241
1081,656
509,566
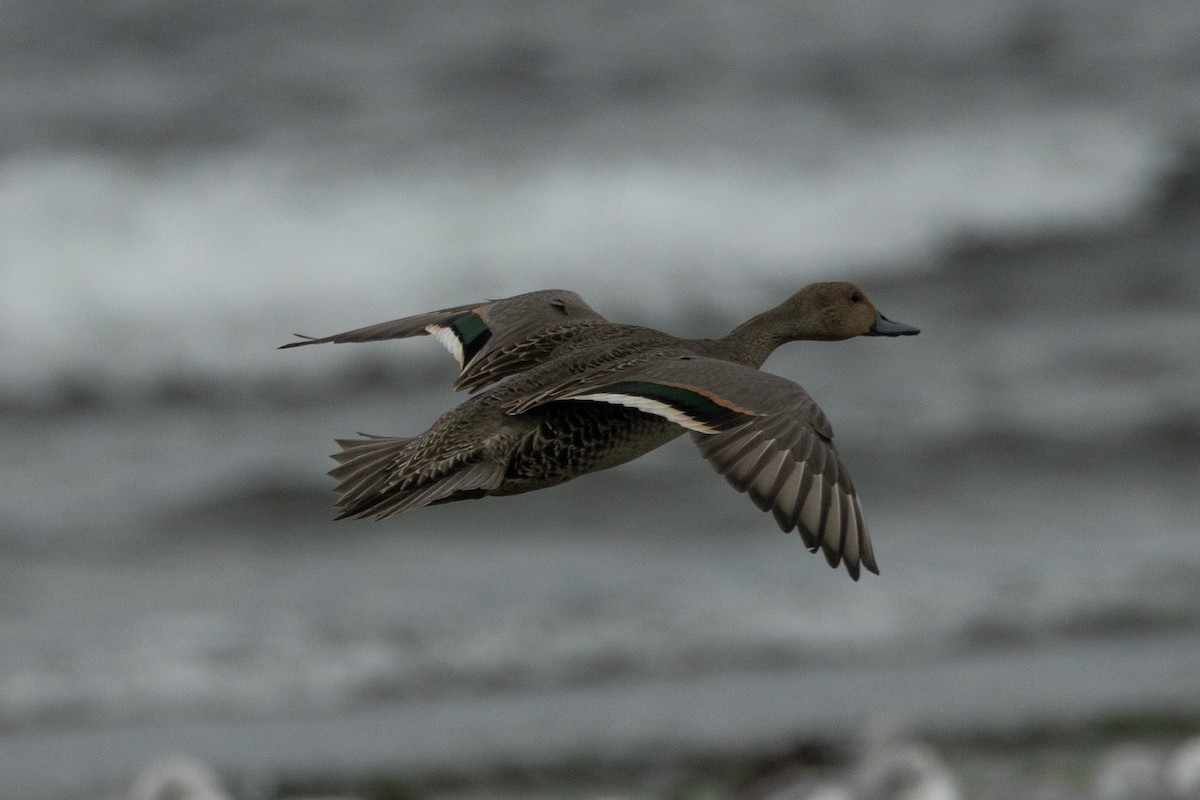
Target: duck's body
x,y
552,444
575,393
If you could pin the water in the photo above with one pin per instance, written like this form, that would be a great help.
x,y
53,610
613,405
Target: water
x,y
183,185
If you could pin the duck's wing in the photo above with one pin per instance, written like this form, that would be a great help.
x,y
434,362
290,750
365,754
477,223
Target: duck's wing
x,y
764,433
490,340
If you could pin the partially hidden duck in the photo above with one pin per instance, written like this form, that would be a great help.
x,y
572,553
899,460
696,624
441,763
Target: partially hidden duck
x,y
572,393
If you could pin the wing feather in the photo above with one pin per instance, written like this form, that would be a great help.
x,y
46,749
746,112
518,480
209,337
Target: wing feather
x,y
764,433
490,340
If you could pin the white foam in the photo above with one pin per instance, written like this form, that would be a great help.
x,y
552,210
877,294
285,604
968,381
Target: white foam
x,y
118,272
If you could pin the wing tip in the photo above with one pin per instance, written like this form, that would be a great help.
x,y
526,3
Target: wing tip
x,y
837,556
853,568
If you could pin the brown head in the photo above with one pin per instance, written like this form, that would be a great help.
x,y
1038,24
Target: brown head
x,y
821,312
836,310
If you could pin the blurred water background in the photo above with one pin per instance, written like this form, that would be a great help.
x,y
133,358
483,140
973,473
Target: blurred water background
x,y
184,184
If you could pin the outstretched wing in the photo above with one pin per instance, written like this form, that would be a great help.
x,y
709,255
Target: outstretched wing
x,y
765,434
490,340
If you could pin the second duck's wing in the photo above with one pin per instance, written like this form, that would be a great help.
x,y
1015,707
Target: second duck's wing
x,y
764,433
490,340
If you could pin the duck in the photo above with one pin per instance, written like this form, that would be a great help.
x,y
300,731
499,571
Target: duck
x,y
558,391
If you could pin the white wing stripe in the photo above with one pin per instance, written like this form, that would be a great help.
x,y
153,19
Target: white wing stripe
x,y
650,407
449,340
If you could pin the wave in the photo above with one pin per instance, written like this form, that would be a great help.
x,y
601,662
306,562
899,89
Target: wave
x,y
125,279
208,663
1116,622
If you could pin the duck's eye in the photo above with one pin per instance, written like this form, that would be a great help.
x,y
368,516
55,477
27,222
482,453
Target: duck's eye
x,y
856,298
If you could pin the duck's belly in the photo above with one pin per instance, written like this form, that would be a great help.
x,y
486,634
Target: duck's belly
x,y
575,438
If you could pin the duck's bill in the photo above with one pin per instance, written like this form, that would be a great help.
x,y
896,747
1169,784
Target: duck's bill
x,y
886,327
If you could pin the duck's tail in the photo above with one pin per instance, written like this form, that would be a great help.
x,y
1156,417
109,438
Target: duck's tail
x,y
375,478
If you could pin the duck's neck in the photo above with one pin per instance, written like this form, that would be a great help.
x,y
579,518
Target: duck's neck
x,y
755,339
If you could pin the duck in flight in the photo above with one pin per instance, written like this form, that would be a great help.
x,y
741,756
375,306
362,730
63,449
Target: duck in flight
x,y
558,391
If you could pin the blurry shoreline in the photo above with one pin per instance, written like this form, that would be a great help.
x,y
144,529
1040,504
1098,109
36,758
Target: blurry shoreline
x,y
1062,758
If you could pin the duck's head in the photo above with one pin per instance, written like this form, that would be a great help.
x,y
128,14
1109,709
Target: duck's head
x,y
840,310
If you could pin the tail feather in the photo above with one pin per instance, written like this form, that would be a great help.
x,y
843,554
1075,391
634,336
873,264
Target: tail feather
x,y
371,483
359,456
480,475
367,465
